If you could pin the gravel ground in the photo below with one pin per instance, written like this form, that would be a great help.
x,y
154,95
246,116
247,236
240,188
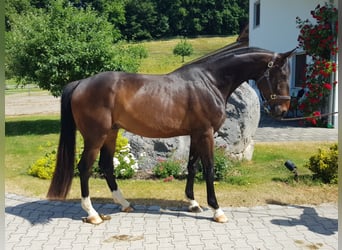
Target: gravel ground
x,y
31,103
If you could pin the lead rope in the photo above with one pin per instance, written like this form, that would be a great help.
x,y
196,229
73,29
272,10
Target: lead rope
x,y
307,117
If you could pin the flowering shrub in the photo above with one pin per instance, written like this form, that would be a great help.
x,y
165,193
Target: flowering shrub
x,y
319,87
44,167
324,164
124,162
319,40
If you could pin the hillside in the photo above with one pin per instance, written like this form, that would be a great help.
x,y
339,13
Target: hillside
x,y
161,60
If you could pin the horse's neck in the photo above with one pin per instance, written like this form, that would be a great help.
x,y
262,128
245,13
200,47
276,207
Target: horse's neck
x,y
238,69
250,66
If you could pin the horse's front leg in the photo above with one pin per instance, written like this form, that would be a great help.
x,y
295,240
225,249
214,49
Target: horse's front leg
x,y
189,188
107,167
206,149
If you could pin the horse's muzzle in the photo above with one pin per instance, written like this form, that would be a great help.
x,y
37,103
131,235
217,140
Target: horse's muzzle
x,y
279,111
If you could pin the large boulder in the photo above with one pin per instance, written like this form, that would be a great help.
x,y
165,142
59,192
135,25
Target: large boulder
x,y
243,116
235,135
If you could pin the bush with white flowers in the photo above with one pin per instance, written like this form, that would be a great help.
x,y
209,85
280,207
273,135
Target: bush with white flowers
x,y
125,164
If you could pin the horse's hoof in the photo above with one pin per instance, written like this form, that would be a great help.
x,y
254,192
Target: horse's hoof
x,y
127,209
195,209
221,219
105,217
95,219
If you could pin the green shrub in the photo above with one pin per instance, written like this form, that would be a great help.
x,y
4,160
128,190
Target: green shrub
x,y
324,164
44,167
121,142
183,48
222,164
167,168
64,43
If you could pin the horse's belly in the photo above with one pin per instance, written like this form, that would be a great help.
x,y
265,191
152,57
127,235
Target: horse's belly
x,y
153,127
151,114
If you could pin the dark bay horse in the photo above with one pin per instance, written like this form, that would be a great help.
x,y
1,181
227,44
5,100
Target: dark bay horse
x,y
188,101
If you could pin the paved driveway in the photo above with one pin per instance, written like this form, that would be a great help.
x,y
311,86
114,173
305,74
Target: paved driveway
x,y
40,224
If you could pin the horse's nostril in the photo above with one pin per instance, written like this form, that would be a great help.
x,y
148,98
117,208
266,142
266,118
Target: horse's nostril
x,y
279,111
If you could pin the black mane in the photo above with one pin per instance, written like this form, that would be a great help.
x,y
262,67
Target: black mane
x,y
226,52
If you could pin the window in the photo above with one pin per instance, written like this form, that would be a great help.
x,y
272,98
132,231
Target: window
x,y
257,14
300,64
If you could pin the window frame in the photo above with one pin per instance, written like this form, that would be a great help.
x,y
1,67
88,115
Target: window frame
x,y
257,14
300,61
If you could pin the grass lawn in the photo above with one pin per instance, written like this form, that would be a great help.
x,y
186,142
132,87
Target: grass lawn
x,y
161,59
260,181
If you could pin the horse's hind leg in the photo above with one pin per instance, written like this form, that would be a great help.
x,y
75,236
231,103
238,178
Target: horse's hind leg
x,y
107,167
189,188
88,157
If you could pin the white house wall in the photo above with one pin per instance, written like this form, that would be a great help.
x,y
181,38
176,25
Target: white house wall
x,y
277,30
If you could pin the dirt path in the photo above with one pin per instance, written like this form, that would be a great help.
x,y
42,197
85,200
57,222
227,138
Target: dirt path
x,y
33,103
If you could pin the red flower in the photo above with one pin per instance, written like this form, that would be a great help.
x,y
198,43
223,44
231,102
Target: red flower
x,y
301,106
316,113
314,100
319,40
312,121
327,86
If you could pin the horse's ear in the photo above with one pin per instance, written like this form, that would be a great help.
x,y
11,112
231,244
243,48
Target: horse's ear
x,y
282,57
288,54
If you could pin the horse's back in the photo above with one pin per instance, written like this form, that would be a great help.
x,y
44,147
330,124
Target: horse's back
x,y
148,105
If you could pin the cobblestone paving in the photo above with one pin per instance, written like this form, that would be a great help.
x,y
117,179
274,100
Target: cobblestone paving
x,y
40,224
271,130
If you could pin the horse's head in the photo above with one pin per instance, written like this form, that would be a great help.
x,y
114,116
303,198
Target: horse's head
x,y
274,85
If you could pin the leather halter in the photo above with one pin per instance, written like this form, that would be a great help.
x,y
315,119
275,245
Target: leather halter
x,y
273,96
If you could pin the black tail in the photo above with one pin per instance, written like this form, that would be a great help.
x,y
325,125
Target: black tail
x,y
64,172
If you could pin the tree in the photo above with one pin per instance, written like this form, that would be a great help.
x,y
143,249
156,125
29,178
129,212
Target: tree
x,y
60,44
205,17
141,19
113,10
151,19
13,8
183,48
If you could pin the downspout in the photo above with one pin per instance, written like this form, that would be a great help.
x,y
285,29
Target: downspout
x,y
332,103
